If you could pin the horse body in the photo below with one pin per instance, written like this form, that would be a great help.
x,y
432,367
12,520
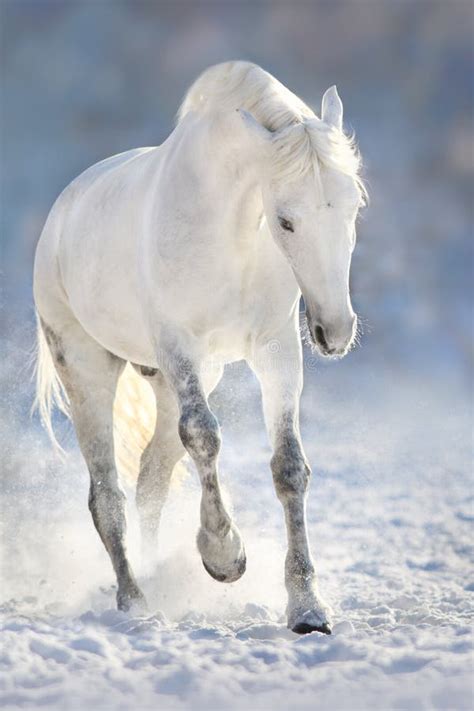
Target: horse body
x,y
119,223
176,259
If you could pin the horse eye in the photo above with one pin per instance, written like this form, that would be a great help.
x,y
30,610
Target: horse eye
x,y
286,224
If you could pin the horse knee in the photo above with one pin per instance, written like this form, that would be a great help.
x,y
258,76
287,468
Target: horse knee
x,y
199,433
291,472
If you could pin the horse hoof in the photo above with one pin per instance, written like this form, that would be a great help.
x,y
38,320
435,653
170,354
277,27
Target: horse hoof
x,y
133,602
229,577
313,615
306,628
222,557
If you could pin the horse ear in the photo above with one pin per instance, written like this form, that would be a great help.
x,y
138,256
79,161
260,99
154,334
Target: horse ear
x,y
254,127
331,108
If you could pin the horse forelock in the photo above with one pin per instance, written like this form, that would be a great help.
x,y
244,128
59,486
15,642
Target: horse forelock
x,y
302,142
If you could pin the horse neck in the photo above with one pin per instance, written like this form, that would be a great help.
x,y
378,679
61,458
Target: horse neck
x,y
245,209
216,151
237,179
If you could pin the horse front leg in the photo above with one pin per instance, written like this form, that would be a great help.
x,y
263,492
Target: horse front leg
x,y
306,610
218,541
280,376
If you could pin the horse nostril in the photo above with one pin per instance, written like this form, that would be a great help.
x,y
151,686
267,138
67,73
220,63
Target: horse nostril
x,y
320,336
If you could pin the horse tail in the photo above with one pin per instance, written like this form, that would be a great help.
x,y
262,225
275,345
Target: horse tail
x,y
50,391
134,421
134,425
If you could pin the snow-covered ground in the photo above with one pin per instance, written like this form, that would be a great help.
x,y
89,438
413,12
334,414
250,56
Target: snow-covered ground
x,y
390,511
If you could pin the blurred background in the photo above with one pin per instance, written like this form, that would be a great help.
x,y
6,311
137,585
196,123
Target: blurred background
x,y
84,80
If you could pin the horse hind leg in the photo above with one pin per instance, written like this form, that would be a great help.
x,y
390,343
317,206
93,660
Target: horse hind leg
x,y
89,374
157,461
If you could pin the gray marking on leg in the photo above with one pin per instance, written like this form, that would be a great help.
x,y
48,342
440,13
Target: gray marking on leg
x,y
218,540
198,428
291,472
54,343
148,372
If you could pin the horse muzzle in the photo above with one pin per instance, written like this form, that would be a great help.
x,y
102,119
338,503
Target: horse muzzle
x,y
332,339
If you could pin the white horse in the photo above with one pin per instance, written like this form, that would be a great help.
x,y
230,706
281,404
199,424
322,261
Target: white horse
x,y
179,259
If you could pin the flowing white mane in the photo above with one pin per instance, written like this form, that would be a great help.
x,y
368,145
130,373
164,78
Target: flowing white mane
x,y
235,85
